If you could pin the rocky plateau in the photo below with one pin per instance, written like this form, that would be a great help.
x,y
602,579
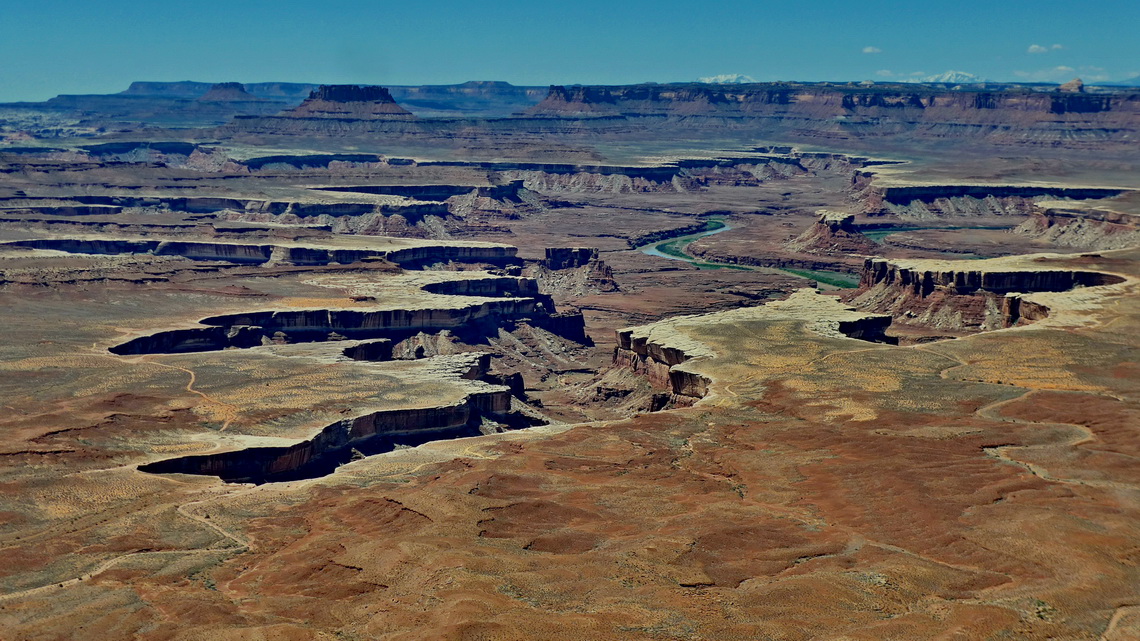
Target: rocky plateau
x,y
797,361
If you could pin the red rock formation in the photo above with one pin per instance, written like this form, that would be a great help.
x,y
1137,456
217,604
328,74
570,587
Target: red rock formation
x,y
833,233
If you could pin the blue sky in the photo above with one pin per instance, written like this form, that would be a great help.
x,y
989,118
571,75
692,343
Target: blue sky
x,y
48,47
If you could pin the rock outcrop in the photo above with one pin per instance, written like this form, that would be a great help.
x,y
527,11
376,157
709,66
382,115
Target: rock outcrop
x,y
964,295
511,301
833,233
569,257
229,92
257,254
573,272
1083,228
351,102
1012,115
1076,85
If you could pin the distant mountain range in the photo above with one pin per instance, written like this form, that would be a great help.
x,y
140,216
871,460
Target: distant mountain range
x,y
1129,82
953,77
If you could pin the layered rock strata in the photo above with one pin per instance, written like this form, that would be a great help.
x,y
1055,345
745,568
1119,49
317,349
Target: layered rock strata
x,y
352,102
774,98
258,254
833,233
933,202
229,92
508,301
1084,228
965,295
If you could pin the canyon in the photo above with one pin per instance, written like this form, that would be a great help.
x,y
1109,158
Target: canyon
x,y
480,361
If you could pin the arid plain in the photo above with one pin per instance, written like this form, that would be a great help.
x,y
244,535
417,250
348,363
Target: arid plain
x,y
783,361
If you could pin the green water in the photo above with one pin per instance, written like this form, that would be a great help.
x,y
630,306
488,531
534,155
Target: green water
x,y
674,249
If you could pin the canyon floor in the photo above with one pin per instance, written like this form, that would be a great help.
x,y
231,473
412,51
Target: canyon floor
x,y
710,388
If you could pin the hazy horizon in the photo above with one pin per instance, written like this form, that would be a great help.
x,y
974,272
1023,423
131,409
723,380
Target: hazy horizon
x,y
69,47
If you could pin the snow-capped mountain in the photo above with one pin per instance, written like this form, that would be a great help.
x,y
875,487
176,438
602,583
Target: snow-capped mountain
x,y
952,77
727,79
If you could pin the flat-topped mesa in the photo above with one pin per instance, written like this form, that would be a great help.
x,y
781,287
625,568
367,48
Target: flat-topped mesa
x,y
229,92
576,271
923,280
506,302
353,102
821,100
1012,115
970,296
409,257
833,233
937,201
569,257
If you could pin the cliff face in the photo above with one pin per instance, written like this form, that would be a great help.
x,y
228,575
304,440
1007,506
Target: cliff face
x,y
968,296
959,281
260,254
829,101
336,444
932,202
641,355
350,102
483,98
855,112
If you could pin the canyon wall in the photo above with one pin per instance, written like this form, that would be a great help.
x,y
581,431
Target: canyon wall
x,y
408,257
639,354
1012,115
336,443
1083,228
964,295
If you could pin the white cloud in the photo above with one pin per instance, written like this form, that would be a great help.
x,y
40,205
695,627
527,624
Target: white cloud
x,y
1037,49
1056,47
886,73
870,49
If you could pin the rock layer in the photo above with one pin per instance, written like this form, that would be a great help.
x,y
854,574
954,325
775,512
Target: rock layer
x,y
973,295
833,233
349,102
